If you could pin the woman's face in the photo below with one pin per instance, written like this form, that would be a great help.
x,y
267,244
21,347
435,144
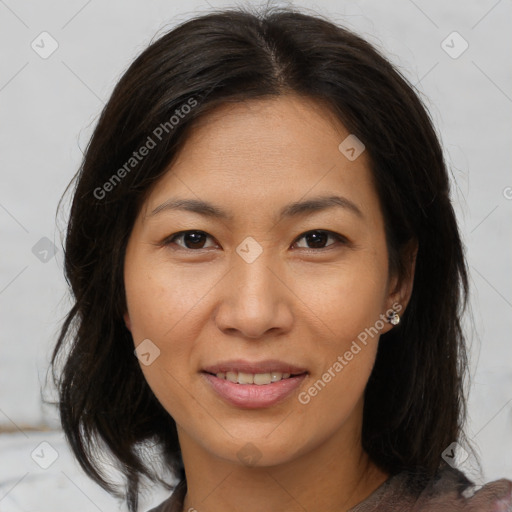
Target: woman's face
x,y
267,287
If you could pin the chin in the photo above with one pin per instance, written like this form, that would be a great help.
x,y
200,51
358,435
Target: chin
x,y
256,450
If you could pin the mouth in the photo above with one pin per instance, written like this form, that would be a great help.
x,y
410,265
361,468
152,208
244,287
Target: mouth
x,y
254,385
258,379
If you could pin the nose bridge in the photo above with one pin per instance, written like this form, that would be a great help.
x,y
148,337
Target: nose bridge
x,y
254,300
253,278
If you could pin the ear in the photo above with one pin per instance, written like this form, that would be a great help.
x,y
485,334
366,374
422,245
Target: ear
x,y
400,286
127,321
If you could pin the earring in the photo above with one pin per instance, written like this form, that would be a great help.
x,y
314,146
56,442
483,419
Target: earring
x,y
394,318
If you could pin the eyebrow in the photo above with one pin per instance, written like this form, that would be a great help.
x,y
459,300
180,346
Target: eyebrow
x,y
295,209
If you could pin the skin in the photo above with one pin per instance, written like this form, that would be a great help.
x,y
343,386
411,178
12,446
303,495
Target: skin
x,y
297,302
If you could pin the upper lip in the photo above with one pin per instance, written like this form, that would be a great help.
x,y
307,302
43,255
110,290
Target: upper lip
x,y
267,366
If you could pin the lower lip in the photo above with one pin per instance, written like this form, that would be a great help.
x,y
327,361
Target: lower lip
x,y
253,396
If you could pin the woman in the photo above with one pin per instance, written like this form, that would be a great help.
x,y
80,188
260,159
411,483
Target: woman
x,y
263,219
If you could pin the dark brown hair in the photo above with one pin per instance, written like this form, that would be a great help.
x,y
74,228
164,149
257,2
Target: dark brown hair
x,y
414,400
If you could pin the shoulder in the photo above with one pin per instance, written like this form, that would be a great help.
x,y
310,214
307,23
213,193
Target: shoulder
x,y
450,490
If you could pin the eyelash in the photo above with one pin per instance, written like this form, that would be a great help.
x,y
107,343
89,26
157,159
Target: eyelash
x,y
339,238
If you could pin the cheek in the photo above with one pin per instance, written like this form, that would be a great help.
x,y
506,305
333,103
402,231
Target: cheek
x,y
360,300
160,297
162,305
349,302
166,305
347,298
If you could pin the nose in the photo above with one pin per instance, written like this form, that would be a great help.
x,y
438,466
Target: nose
x,y
255,300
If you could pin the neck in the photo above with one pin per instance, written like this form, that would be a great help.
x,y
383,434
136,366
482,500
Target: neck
x,y
334,476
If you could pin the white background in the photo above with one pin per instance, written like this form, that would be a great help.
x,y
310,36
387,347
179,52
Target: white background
x,y
49,108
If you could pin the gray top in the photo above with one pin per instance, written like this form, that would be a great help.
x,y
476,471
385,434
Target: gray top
x,y
448,491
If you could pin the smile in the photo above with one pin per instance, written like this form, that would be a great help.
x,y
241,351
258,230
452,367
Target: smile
x,y
236,388
260,379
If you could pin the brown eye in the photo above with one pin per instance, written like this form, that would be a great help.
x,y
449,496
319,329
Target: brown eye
x,y
195,240
190,239
317,239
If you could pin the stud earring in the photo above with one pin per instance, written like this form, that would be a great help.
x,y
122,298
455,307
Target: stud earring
x,y
394,318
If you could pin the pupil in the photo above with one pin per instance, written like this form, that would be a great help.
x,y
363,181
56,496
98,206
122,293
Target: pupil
x,y
315,235
193,241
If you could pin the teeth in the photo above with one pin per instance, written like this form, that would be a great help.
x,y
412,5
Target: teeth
x,y
232,376
262,378
245,378
253,378
275,376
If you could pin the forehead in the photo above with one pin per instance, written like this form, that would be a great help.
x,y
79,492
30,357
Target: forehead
x,y
290,127
264,153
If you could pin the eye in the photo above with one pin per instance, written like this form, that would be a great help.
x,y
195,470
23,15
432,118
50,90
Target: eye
x,y
318,237
191,239
194,239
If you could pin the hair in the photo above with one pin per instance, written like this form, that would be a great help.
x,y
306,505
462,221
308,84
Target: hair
x,y
415,402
